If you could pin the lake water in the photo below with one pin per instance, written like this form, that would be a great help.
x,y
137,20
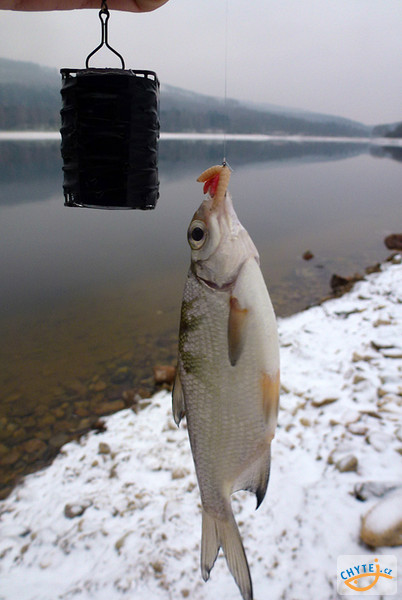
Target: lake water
x,y
90,299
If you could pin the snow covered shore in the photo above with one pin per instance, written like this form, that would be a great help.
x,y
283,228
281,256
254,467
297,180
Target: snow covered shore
x,y
117,515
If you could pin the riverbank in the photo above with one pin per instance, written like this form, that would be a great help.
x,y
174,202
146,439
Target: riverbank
x,y
117,514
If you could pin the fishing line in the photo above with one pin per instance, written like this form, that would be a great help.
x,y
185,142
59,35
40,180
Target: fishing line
x,y
225,100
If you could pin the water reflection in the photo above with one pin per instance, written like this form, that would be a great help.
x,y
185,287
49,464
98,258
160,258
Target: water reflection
x,y
90,299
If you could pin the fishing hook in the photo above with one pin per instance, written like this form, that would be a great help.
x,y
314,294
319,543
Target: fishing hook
x,y
104,16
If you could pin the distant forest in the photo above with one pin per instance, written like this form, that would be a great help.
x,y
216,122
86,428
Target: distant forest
x,y
24,107
30,100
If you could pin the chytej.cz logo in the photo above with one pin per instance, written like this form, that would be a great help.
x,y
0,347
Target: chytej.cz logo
x,y
359,574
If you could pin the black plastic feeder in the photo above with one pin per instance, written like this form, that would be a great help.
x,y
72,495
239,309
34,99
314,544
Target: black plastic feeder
x,y
110,133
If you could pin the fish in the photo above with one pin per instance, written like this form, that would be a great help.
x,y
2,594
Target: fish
x,y
227,377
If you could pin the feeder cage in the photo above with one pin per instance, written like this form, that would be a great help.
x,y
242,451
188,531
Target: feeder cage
x,y
110,133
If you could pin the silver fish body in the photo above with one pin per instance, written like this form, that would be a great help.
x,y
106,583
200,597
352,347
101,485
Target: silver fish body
x,y
227,381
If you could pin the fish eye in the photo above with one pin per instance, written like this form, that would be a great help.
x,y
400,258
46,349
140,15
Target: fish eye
x,y
197,234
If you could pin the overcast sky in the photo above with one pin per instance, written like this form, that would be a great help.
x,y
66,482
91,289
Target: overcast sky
x,y
341,57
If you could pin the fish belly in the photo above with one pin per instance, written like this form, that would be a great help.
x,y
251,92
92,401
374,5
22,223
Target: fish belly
x,y
227,423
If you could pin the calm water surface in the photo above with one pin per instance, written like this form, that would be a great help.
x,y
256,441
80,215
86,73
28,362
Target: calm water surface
x,y
90,299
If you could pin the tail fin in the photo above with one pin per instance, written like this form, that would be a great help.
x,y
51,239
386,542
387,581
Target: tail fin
x,y
218,533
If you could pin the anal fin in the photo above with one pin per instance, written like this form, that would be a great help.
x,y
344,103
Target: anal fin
x,y
178,400
255,476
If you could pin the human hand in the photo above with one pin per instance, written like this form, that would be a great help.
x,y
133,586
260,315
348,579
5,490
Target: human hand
x,y
38,5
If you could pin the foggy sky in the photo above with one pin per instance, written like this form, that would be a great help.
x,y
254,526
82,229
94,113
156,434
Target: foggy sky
x,y
340,57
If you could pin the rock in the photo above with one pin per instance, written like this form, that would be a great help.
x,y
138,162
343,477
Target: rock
x,y
76,510
47,419
12,456
58,440
81,409
357,428
157,567
382,525
379,440
308,255
317,402
58,412
109,407
121,375
371,489
34,446
98,386
3,449
19,435
83,424
358,357
394,241
382,322
164,374
179,473
340,285
395,259
99,426
133,397
373,269
103,448
347,463
338,282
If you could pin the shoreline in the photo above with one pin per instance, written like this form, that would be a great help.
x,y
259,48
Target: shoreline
x,y
115,512
111,393
10,135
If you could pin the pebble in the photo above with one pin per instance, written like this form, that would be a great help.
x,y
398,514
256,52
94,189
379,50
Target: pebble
x,y
121,375
179,473
378,440
393,241
108,407
357,428
47,419
58,440
382,524
103,448
10,458
317,402
371,489
81,409
98,386
164,374
3,449
34,446
347,463
76,510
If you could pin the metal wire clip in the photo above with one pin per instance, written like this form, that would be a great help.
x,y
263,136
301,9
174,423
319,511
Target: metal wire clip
x,y
104,18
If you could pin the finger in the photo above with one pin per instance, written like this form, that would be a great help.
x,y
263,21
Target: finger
x,y
38,5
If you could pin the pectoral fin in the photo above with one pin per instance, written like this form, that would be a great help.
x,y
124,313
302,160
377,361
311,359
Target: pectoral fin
x,y
236,329
178,400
